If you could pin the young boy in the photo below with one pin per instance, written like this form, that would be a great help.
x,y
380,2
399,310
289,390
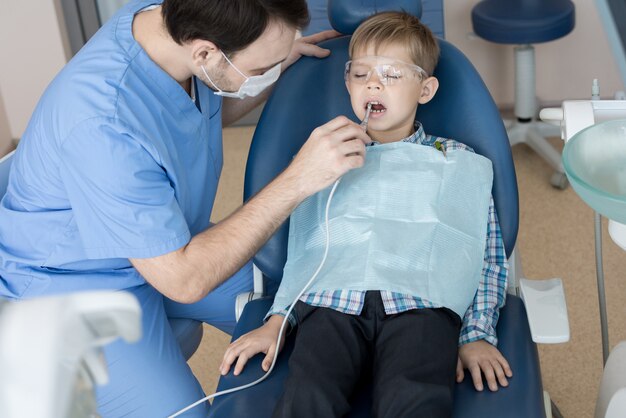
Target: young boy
x,y
356,319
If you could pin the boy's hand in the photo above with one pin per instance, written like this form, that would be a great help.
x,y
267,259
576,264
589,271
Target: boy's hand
x,y
260,340
480,356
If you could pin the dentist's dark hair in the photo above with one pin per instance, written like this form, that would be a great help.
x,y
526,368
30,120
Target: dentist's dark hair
x,y
232,25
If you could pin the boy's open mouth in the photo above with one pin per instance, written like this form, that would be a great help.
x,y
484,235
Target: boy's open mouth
x,y
377,107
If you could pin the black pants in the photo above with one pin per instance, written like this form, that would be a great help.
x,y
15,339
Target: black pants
x,y
411,358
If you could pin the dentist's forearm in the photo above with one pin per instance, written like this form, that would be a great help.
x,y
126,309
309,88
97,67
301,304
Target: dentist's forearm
x,y
211,257
237,238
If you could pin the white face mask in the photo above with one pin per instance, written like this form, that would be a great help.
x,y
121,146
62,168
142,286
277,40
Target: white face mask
x,y
252,86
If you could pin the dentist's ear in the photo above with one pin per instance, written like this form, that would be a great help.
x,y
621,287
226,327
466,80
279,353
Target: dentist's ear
x,y
429,88
204,52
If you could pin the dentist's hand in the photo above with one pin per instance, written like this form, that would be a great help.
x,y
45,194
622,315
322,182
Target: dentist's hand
x,y
307,46
260,340
332,150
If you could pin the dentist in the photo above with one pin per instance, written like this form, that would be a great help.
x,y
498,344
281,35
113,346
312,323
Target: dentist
x,y
114,180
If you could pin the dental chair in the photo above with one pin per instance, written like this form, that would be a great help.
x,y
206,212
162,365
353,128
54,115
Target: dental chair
x,y
308,95
188,332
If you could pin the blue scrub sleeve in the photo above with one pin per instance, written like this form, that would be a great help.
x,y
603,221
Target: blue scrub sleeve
x,y
122,200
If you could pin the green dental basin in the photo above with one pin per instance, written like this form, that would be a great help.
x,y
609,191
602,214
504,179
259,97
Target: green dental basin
x,y
595,164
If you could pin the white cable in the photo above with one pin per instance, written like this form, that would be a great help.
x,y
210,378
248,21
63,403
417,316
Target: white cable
x,y
282,326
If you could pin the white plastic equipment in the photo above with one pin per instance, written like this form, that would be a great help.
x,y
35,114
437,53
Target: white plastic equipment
x,y
51,357
573,117
546,300
576,115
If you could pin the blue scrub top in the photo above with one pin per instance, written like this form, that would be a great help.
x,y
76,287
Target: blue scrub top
x,y
117,162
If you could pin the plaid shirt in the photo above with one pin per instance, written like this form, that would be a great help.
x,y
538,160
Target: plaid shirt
x,y
481,317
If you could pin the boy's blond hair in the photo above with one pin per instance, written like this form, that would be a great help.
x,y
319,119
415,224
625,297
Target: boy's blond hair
x,y
398,28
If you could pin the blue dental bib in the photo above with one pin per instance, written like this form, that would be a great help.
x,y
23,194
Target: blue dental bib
x,y
411,220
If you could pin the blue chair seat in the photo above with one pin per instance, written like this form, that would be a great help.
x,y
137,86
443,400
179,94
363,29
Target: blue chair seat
x,y
525,389
523,21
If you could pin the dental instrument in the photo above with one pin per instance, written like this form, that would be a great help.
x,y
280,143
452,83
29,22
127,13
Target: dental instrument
x,y
366,119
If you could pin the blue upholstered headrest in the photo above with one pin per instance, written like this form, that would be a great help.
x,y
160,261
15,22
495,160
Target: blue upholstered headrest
x,y
345,16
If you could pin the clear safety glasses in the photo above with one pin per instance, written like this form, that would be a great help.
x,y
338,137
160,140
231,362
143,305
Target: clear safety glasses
x,y
389,72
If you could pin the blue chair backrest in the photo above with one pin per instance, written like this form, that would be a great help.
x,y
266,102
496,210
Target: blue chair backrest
x,y
312,92
5,167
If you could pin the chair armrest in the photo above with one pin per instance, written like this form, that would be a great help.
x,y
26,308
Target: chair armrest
x,y
546,310
257,292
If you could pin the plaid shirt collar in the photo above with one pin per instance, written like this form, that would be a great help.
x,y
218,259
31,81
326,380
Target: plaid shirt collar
x,y
418,137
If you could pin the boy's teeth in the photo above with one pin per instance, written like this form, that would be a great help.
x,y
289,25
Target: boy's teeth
x,y
376,107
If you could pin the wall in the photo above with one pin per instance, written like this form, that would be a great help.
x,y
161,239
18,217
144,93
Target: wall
x,y
6,141
33,49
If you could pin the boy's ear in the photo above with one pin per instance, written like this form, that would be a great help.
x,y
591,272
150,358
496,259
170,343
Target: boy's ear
x,y
429,88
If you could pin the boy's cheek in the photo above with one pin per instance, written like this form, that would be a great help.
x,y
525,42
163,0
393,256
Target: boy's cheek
x,y
355,107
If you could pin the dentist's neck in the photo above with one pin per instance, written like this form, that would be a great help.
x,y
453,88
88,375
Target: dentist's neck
x,y
151,34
